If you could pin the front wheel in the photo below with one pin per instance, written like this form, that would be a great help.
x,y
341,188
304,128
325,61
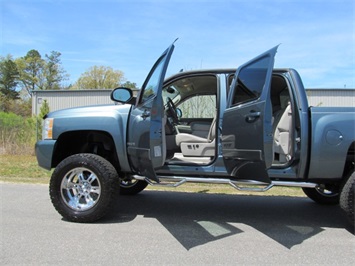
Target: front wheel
x,y
82,187
323,194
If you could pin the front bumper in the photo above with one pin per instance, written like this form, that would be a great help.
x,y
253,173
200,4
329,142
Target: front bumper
x,y
44,151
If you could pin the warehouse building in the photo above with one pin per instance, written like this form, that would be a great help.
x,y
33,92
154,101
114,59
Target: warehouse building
x,y
61,99
331,97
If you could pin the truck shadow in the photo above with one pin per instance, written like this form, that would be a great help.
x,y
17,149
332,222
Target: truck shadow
x,y
195,219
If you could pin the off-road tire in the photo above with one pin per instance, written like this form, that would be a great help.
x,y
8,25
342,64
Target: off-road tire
x,y
320,196
347,198
82,187
132,188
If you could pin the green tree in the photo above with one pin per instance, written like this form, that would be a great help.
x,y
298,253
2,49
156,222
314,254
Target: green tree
x,y
44,109
99,77
8,78
54,73
131,85
42,112
36,73
31,71
19,106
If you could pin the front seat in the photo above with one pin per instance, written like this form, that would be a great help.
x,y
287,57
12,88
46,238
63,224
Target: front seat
x,y
282,136
195,146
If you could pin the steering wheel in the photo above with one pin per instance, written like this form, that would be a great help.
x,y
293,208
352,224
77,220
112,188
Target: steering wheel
x,y
172,111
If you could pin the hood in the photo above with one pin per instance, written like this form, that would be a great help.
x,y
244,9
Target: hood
x,y
90,110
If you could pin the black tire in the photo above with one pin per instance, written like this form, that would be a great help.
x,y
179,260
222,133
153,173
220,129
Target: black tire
x,y
323,194
82,187
347,198
132,186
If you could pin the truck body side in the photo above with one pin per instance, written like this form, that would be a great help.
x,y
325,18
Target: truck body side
x,y
331,141
323,137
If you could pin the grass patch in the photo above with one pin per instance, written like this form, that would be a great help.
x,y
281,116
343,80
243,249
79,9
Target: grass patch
x,y
226,189
24,169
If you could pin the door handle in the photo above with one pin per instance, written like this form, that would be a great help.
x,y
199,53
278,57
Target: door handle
x,y
145,114
252,116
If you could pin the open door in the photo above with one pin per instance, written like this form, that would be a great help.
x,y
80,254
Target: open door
x,y
247,136
146,134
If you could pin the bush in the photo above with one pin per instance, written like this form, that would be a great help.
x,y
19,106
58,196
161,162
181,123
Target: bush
x,y
18,106
17,134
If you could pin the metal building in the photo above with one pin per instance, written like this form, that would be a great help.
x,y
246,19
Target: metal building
x,y
331,97
61,99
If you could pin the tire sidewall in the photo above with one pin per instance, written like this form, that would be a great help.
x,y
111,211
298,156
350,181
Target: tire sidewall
x,y
134,189
106,175
321,198
347,198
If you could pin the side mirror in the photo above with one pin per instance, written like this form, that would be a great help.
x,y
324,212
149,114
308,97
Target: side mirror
x,y
122,95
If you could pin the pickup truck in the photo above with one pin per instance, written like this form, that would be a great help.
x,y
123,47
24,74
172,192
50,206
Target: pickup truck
x,y
250,128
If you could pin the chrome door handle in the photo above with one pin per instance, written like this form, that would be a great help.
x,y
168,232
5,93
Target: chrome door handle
x,y
252,116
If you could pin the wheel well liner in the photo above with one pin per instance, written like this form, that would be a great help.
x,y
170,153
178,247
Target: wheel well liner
x,y
95,142
350,160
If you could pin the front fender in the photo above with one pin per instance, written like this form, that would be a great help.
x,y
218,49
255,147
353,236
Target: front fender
x,y
111,119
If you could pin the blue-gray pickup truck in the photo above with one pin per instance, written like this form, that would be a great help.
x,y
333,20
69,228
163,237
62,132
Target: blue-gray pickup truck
x,y
250,128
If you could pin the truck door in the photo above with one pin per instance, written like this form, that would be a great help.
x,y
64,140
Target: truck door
x,y
247,138
146,135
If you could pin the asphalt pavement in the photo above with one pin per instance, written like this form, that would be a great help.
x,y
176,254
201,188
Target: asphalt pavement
x,y
161,228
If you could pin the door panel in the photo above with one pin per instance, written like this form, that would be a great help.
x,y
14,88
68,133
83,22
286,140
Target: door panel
x,y
247,121
146,135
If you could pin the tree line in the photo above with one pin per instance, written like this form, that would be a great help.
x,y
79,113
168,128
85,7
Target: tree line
x,y
20,76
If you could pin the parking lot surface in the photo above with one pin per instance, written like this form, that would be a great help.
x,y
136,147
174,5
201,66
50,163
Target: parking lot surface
x,y
176,228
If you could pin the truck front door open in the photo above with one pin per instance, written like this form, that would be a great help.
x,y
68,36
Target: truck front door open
x,y
146,135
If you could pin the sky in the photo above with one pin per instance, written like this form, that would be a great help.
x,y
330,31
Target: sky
x,y
317,37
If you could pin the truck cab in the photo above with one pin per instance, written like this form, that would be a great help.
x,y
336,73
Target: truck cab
x,y
218,124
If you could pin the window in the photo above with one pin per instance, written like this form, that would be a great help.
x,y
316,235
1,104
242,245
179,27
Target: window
x,y
251,80
199,106
151,85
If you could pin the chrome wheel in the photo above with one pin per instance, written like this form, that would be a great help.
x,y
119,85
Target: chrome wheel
x,y
127,182
323,190
323,194
80,189
131,186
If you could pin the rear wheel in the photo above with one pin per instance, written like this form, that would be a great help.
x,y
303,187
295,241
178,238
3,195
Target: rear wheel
x,y
323,194
82,187
129,186
347,198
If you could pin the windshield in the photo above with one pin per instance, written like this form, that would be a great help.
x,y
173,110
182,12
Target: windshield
x,y
171,92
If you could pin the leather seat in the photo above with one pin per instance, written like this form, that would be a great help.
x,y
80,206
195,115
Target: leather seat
x,y
192,145
282,135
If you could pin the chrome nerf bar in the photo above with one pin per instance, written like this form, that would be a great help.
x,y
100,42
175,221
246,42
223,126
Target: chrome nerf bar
x,y
242,185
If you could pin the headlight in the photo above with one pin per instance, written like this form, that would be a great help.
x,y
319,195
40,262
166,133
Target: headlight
x,y
47,131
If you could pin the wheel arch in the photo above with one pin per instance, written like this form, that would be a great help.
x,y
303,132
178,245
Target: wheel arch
x,y
85,141
350,161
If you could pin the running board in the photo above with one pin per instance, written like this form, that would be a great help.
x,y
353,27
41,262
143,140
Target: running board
x,y
242,185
